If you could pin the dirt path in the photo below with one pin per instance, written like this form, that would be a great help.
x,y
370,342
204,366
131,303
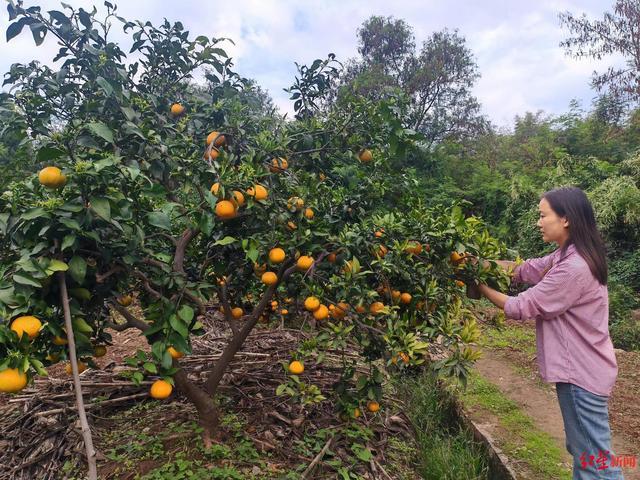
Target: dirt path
x,y
539,401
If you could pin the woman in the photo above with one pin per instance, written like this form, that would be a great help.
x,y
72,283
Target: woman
x,y
569,301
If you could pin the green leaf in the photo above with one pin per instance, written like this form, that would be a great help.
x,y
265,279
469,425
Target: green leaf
x,y
25,279
78,269
35,213
160,220
167,360
70,223
80,325
68,241
4,220
225,241
178,326
39,367
100,129
186,313
106,86
150,367
57,266
101,207
49,153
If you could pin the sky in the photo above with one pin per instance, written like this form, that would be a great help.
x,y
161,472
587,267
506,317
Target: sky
x,y
515,43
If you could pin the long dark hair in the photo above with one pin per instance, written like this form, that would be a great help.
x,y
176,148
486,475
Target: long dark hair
x,y
572,203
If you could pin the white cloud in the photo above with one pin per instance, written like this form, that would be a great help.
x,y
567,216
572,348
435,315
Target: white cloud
x,y
515,44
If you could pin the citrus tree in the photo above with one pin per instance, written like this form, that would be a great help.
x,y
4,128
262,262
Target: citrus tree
x,y
178,197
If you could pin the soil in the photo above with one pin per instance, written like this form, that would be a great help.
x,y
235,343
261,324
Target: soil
x,y
516,374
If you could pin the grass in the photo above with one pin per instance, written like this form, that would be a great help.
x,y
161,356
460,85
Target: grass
x,y
525,442
513,337
444,450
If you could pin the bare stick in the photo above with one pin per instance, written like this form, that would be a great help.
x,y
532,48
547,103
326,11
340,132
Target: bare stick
x,y
316,460
82,414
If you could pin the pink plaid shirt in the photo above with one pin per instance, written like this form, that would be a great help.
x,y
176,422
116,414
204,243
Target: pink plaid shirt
x,y
571,310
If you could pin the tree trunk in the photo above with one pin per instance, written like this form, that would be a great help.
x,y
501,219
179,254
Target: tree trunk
x,y
84,424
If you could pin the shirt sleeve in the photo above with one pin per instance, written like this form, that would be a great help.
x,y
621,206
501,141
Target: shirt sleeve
x,y
558,291
531,271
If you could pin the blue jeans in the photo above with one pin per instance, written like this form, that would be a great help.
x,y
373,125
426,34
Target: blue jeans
x,y
586,425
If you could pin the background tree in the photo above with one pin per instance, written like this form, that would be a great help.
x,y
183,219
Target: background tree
x,y
436,79
617,33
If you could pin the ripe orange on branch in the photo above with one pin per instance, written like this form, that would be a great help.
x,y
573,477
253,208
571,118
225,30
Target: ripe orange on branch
x,y
27,324
311,304
304,263
269,278
177,109
279,165
225,209
160,389
258,192
52,177
365,155
276,255
175,354
321,312
217,139
12,380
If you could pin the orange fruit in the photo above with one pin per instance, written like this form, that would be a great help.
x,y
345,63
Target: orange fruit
x,y
259,269
269,278
304,263
258,192
308,213
311,304
373,406
27,324
12,380
295,203
99,351
125,300
356,412
405,298
350,268
237,312
214,153
215,188
404,357
81,367
225,209
215,136
395,294
291,225
279,165
160,389
460,283
296,367
321,312
381,251
360,309
59,340
284,311
378,234
376,307
177,109
276,255
457,258
331,258
238,198
174,353
339,311
365,155
52,177
414,248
